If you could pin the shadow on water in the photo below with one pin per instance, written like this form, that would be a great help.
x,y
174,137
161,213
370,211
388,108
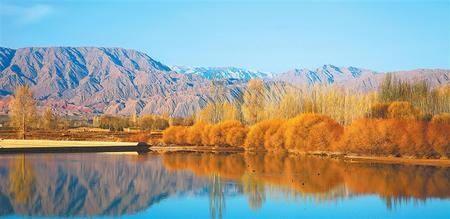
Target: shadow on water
x,y
115,185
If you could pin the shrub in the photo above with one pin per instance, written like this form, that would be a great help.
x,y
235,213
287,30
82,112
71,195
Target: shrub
x,y
402,110
218,133
277,140
205,134
379,110
181,135
169,135
439,138
443,118
308,132
368,136
236,136
411,138
195,132
394,137
274,136
175,135
256,135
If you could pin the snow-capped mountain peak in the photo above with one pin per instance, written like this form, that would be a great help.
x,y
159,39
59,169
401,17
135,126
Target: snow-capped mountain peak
x,y
222,72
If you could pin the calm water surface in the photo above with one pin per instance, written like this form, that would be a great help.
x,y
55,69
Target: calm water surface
x,y
192,185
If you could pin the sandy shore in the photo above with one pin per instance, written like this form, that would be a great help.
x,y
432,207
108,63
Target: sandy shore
x,y
13,143
52,146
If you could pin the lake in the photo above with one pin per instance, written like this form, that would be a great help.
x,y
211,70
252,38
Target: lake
x,y
194,185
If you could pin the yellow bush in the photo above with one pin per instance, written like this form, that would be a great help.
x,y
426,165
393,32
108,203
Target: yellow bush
x,y
218,133
395,137
411,138
402,110
438,136
443,118
169,135
256,137
369,136
274,136
236,136
312,132
194,135
277,140
205,135
181,135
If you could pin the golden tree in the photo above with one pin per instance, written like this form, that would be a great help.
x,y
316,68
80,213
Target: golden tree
x,y
49,120
23,109
230,112
289,106
212,113
253,107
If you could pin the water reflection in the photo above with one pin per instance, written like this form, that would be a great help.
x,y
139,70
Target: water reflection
x,y
323,179
121,185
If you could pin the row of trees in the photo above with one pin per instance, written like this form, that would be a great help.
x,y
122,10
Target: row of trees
x,y
146,122
419,94
398,135
228,133
262,101
24,116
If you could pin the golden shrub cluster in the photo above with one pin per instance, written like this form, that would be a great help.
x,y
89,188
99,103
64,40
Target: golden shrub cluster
x,y
228,133
443,118
400,134
398,137
305,133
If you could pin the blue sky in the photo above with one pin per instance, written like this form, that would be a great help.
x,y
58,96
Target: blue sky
x,y
264,35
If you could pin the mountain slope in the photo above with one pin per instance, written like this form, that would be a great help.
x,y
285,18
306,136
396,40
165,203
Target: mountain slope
x,y
103,79
359,79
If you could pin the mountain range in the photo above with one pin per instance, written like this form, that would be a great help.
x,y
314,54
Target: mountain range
x,y
92,80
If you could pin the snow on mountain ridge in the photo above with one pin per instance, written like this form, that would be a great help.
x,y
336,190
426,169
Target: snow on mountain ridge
x,y
222,72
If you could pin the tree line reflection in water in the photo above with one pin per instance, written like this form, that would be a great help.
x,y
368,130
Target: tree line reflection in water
x,y
119,185
317,178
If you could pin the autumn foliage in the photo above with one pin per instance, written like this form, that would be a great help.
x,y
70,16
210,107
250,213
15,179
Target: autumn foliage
x,y
257,138
443,118
312,132
397,137
399,133
228,133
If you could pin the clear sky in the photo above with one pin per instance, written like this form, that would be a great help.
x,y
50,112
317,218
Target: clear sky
x,y
264,35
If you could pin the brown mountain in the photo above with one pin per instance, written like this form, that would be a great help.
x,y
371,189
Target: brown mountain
x,y
87,80
360,79
109,80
